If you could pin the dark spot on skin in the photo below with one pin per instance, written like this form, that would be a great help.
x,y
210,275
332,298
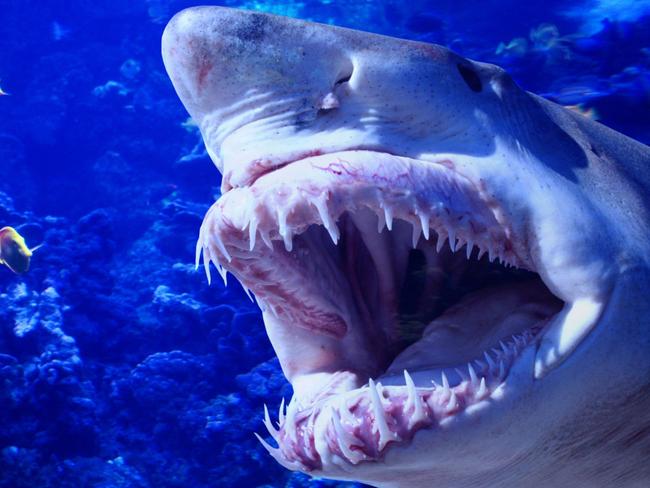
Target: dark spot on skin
x,y
253,29
594,150
470,77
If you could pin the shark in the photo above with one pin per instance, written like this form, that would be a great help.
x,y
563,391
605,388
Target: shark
x,y
453,272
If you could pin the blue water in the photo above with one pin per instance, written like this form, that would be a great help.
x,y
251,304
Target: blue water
x,y
119,366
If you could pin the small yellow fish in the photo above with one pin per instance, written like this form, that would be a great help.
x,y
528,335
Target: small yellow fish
x,y
14,253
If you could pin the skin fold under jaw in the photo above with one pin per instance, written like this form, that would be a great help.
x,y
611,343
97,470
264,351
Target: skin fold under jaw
x,y
451,271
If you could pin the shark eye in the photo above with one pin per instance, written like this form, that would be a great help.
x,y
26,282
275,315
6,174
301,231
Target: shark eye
x,y
470,77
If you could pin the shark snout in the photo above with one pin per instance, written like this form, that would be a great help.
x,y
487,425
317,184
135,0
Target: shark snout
x,y
266,91
219,57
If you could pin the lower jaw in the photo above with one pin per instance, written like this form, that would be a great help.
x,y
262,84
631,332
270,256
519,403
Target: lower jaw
x,y
361,425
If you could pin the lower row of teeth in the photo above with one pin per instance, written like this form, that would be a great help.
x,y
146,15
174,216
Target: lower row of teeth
x,y
357,426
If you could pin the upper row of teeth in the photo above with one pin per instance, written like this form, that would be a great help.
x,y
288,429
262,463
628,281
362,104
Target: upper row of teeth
x,y
436,218
420,406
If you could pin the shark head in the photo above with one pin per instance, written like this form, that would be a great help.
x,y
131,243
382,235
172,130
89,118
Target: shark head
x,y
452,271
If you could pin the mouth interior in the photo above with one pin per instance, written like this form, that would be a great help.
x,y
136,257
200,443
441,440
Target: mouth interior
x,y
428,311
393,296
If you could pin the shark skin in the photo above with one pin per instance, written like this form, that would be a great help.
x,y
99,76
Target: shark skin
x,y
452,271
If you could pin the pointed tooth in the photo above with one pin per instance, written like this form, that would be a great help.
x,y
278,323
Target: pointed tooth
x,y
482,389
502,370
470,247
381,222
248,292
440,242
472,375
417,231
452,403
219,243
452,239
269,426
223,272
252,234
463,376
277,455
345,440
414,400
206,264
481,253
504,348
288,240
385,434
290,421
266,239
281,414
388,216
424,222
445,381
490,253
197,253
327,220
491,364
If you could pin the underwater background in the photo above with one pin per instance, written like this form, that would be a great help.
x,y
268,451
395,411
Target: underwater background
x,y
119,365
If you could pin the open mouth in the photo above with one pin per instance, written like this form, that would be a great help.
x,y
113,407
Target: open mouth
x,y
397,293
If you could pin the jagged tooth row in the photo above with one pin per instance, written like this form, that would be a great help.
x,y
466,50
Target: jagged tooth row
x,y
419,407
320,209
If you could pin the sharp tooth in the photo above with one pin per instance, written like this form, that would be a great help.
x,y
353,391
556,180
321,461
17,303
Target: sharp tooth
x,y
281,414
381,222
290,421
452,239
440,242
327,220
424,222
277,455
385,434
490,253
502,370
463,376
504,348
206,264
452,404
470,247
269,426
345,439
288,240
414,400
472,375
223,272
482,389
482,365
220,246
197,253
491,364
389,218
248,292
252,233
417,231
267,240
445,381
481,253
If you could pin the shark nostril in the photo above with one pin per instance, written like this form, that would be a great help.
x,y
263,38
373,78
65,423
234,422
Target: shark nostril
x,y
343,79
470,77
